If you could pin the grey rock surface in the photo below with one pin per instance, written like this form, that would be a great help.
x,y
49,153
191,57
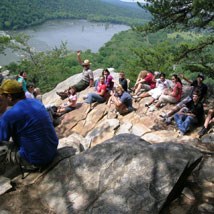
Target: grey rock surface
x,y
122,175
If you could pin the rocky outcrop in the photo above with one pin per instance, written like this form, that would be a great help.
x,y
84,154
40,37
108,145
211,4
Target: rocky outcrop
x,y
108,166
122,175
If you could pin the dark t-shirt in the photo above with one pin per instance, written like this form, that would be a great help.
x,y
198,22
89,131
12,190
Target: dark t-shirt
x,y
202,88
197,110
123,83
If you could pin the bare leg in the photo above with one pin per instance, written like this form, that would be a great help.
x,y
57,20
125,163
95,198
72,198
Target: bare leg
x,y
208,118
138,87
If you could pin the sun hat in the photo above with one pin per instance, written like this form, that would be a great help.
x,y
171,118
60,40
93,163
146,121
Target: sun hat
x,y
10,86
86,62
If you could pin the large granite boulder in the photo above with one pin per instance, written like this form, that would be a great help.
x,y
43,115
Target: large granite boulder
x,y
122,175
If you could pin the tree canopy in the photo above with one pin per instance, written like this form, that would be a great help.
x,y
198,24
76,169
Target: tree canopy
x,y
185,16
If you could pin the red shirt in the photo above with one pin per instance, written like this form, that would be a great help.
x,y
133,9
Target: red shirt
x,y
177,91
102,87
149,80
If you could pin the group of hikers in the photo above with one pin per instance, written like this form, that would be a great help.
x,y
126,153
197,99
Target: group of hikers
x,y
27,134
187,112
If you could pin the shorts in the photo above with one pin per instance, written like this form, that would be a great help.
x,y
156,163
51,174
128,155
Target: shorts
x,y
146,87
155,93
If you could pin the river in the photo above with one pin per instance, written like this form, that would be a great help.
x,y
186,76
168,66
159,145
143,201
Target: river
x,y
78,34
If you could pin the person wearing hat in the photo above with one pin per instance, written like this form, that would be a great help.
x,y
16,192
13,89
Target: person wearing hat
x,y
87,77
28,124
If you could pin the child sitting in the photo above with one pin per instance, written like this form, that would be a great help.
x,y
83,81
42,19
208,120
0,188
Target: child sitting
x,y
70,104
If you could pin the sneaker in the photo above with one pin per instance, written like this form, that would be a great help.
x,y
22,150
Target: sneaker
x,y
147,105
163,115
3,158
152,108
180,134
135,96
85,97
168,120
202,132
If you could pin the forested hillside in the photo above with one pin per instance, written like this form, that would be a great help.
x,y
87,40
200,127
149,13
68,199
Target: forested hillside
x,y
23,13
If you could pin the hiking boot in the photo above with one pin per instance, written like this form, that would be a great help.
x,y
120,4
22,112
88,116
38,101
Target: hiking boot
x,y
168,120
202,132
164,116
3,158
63,95
147,105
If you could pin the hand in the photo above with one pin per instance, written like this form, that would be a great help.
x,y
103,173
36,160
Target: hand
x,y
181,76
78,53
111,93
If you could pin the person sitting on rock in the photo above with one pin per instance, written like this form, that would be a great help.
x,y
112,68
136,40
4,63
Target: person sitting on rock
x,y
208,121
22,79
108,79
171,95
3,104
144,81
122,101
123,81
87,77
99,96
28,124
190,115
196,85
30,91
70,105
37,94
161,84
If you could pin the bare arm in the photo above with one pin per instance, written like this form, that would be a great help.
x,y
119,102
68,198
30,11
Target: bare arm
x,y
187,80
79,57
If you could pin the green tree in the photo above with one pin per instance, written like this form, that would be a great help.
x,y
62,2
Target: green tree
x,y
188,15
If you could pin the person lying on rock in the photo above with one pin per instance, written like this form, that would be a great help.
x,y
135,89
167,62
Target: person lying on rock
x,y
27,123
122,101
190,115
161,84
99,96
208,121
70,105
87,77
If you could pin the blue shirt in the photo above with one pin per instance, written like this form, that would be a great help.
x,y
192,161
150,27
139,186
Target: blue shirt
x,y
29,125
